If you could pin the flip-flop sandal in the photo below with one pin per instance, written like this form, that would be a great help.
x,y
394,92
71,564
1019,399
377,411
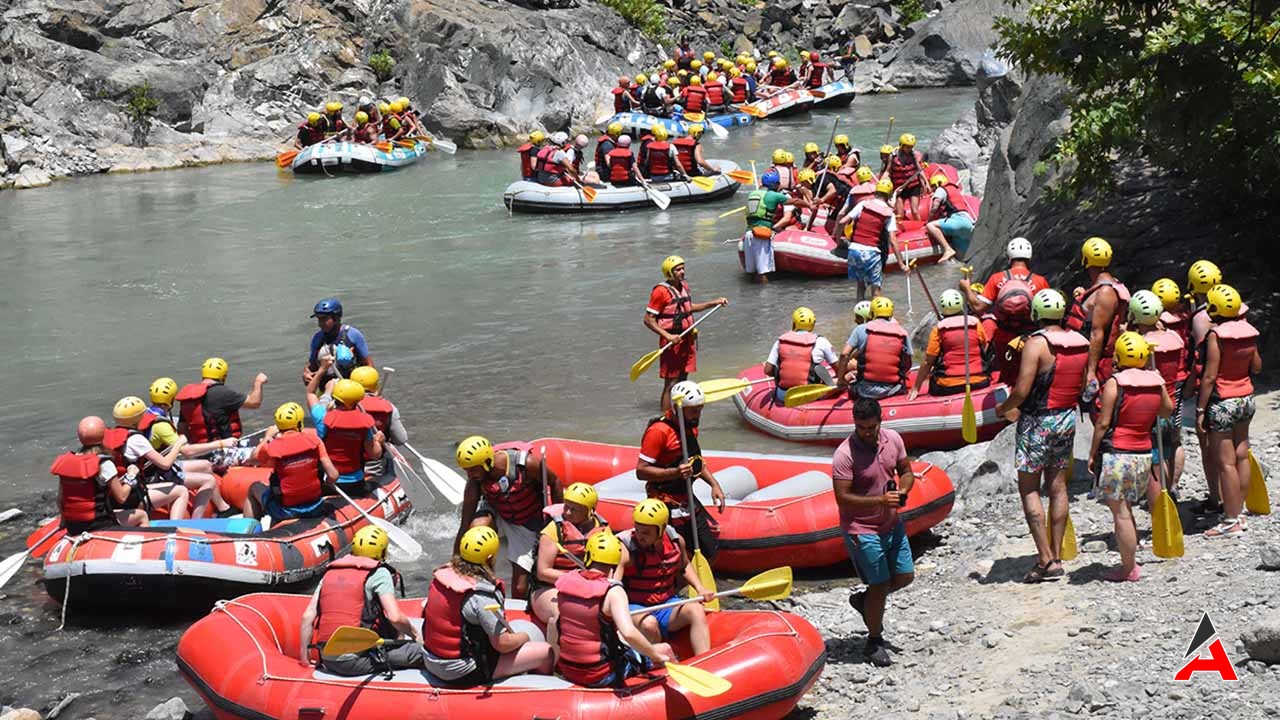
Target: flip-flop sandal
x,y
1053,571
1037,575
1226,529
1118,575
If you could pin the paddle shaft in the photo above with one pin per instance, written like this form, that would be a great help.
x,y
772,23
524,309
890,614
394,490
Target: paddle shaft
x,y
924,286
813,213
888,131
688,483
964,307
384,524
684,601
710,312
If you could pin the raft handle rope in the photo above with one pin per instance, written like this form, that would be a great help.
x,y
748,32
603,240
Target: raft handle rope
x,y
66,589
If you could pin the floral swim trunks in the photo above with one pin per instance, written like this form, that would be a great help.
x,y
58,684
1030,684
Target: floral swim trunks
x,y
1045,441
1124,476
1224,414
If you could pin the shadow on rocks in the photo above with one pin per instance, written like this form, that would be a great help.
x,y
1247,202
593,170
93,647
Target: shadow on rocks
x,y
1092,572
1008,569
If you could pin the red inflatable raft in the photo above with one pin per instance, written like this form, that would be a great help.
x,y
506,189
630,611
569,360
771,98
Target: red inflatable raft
x,y
779,506
243,660
926,423
189,564
814,252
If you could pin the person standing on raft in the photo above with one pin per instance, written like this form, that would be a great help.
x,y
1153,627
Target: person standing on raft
x,y
670,312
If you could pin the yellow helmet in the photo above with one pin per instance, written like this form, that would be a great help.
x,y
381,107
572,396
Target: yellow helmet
x,y
865,175
367,377
811,147
695,80
938,180
659,132
404,102
642,79
614,129
604,548
907,140
773,53
885,186
1095,253
1132,350
802,318
333,107
780,62
670,264
807,175
362,118
842,140
695,130
289,416
537,136
696,64
834,162
348,393
314,118
735,72
651,511
475,451
130,407
583,494
1168,292
396,107
751,66
886,149
673,81
1203,275
790,159
384,108
370,542
163,390
479,545
214,368
712,77
669,64
881,307
708,55
779,156
1224,302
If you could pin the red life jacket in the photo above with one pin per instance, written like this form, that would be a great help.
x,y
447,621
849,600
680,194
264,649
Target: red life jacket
x,y
862,191
1237,341
882,356
685,151
1180,324
380,409
1059,387
955,202
951,331
620,163
1168,354
80,498
309,135
781,76
521,500
342,601
658,158
526,160
147,420
1135,413
604,144
545,164
716,95
572,539
786,176
677,314
695,99
295,479
652,573
198,425
367,133
345,431
795,358
390,125
904,173
588,641
739,89
621,100
444,631
114,440
871,222
1080,316
817,73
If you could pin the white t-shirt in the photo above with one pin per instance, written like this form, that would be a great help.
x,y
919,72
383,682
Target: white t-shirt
x,y
136,448
822,350
106,472
857,210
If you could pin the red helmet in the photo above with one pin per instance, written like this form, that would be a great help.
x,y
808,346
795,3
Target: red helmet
x,y
813,56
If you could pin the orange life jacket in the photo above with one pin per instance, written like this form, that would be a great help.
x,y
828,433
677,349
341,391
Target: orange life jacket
x,y
444,631
677,314
716,95
1168,355
1080,316
620,163
572,539
904,173
198,425
658,158
514,496
526,160
739,88
380,409
686,148
695,99
345,431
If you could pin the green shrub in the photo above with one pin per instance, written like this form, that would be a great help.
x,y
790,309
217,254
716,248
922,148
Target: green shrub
x,y
381,63
647,15
140,109
912,10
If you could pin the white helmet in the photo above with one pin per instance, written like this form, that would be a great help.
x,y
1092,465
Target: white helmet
x,y
686,393
560,138
1018,248
581,141
1144,308
364,100
863,309
655,79
951,302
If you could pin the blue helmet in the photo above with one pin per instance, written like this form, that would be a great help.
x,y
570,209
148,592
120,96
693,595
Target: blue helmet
x,y
328,306
771,180
344,359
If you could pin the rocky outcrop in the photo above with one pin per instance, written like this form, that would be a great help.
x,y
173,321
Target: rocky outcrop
x,y
947,48
970,142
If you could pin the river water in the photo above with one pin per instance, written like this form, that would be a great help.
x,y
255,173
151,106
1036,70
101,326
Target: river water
x,y
513,327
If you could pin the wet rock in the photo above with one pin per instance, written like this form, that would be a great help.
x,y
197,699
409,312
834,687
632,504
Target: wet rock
x,y
21,714
1262,641
947,48
31,176
1094,546
133,656
172,709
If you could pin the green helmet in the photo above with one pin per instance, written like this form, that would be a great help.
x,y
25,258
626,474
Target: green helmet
x,y
1048,305
862,310
951,302
1144,308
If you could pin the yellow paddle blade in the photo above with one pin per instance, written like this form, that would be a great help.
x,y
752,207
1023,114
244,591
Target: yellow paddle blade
x,y
1166,528
705,183
746,177
696,117
772,584
1069,549
285,159
753,111
803,394
589,193
1256,500
734,211
348,639
644,363
407,143
698,681
708,580
968,418
722,388
382,146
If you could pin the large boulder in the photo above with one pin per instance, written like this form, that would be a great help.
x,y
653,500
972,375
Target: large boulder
x,y
948,48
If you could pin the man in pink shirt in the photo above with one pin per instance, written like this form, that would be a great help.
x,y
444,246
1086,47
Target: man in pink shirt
x,y
862,475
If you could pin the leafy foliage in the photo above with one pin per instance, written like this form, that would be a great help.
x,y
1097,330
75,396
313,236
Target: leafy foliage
x,y
381,63
1176,81
912,10
140,109
647,15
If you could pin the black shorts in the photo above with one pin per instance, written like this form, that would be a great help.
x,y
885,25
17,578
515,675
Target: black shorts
x,y
75,528
910,191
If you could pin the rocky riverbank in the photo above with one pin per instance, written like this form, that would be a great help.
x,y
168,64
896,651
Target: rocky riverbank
x,y
233,77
